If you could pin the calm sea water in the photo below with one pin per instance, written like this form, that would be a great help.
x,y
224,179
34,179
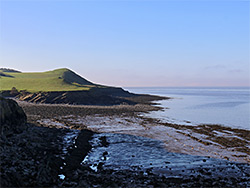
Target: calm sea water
x,y
226,106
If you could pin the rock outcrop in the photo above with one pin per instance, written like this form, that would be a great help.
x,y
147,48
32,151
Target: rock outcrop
x,y
104,96
12,117
72,97
28,154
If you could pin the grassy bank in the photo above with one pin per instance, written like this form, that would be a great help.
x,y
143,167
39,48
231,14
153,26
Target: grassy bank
x,y
56,80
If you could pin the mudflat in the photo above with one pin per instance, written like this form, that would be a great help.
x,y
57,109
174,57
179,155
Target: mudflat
x,y
206,140
203,155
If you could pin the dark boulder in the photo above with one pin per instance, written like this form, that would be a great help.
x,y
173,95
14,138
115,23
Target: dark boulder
x,y
12,117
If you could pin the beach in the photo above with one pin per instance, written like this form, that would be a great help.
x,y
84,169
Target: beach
x,y
215,141
125,94
118,146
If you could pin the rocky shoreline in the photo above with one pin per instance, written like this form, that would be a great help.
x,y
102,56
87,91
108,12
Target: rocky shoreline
x,y
45,154
95,96
215,141
27,152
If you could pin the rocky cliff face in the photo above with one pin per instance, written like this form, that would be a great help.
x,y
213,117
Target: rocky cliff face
x,y
12,117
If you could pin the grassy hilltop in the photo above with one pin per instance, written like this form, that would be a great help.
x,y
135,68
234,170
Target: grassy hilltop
x,y
63,86
56,80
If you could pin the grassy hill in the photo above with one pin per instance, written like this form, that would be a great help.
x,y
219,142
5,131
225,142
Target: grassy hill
x,y
56,80
63,86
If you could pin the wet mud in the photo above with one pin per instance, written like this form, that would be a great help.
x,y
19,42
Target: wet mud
x,y
148,153
125,160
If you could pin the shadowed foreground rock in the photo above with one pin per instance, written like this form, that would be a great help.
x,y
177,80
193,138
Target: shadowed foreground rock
x,y
12,117
27,153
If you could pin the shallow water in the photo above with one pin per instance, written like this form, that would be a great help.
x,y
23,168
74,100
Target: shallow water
x,y
127,152
226,106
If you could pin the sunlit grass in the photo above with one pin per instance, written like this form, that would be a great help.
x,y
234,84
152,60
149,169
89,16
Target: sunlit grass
x,y
45,81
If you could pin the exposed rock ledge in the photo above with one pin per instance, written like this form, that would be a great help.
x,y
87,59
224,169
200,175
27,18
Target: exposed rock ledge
x,y
104,96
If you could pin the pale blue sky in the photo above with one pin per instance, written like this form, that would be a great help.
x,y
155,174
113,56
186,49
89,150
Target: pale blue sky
x,y
130,43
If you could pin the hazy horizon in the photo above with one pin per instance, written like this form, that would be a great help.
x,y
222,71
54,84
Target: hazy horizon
x,y
131,43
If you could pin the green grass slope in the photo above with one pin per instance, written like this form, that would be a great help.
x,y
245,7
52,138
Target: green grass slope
x,y
56,80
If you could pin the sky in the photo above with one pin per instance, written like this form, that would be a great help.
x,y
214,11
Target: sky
x,y
130,43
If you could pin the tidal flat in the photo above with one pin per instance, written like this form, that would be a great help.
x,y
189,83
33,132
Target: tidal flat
x,y
215,141
125,140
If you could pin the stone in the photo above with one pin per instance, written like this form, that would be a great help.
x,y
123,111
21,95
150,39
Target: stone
x,y
12,117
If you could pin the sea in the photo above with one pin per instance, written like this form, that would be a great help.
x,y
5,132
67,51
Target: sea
x,y
227,106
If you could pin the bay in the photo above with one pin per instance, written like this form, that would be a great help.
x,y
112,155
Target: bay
x,y
228,106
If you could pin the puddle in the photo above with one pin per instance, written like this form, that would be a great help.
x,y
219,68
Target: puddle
x,y
61,176
69,139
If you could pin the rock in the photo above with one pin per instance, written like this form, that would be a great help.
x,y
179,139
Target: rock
x,y
72,97
12,117
104,142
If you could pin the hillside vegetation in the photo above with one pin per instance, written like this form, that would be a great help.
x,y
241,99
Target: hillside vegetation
x,y
56,80
63,86
8,70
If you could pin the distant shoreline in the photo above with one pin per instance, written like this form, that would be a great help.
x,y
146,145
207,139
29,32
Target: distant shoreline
x,y
105,97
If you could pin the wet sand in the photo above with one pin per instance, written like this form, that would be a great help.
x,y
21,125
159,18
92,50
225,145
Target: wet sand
x,y
196,156
203,140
